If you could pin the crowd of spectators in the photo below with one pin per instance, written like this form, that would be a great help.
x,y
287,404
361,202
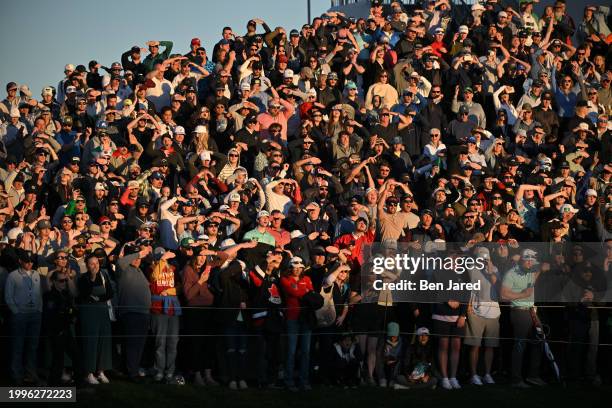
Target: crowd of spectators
x,y
181,216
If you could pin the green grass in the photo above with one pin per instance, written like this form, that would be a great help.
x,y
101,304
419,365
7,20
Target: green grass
x,y
123,394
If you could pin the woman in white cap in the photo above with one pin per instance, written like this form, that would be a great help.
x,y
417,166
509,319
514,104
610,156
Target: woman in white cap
x,y
294,286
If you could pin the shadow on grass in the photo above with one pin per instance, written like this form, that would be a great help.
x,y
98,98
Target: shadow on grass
x,y
120,394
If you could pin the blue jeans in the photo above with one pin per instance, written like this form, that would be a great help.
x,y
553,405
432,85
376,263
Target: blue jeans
x,y
297,330
25,331
235,350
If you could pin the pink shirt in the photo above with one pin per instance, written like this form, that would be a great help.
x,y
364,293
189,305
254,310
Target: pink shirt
x,y
265,120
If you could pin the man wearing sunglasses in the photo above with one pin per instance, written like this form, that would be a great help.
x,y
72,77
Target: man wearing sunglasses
x,y
156,57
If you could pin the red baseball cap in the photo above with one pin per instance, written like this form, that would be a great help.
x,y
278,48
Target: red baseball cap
x,y
195,41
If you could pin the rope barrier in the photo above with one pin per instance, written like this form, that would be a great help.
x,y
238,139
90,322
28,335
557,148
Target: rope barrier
x,y
314,333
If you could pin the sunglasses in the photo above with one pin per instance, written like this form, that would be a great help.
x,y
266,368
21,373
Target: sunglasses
x,y
106,223
233,155
62,257
67,222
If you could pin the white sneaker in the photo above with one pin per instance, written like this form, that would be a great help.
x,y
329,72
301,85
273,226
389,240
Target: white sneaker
x,y
198,380
233,385
488,379
454,383
91,379
476,380
242,385
445,383
103,378
158,377
383,382
397,386
142,372
66,377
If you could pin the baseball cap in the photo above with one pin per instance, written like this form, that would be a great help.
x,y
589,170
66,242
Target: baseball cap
x,y
263,213
195,41
43,224
296,261
422,331
187,242
528,255
566,208
591,192
234,197
179,130
393,329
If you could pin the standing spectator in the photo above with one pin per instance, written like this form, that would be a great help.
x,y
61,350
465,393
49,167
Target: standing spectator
x,y
165,310
95,292
23,297
295,285
517,287
134,304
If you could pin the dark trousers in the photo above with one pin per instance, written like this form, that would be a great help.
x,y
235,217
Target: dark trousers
x,y
95,334
268,349
200,326
235,350
345,372
522,326
135,330
25,331
61,343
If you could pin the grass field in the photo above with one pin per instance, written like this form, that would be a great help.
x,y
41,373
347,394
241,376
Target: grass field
x,y
123,394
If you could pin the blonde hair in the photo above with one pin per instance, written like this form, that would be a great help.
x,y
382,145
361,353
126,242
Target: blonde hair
x,y
200,141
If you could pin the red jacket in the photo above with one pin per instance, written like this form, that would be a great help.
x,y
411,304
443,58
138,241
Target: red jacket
x,y
293,291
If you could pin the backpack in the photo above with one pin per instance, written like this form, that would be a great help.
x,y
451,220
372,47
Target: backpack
x,y
311,302
326,315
